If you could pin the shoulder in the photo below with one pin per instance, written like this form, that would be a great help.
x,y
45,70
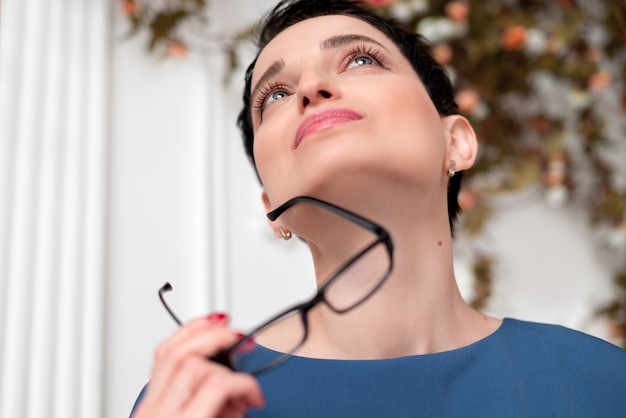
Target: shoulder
x,y
564,348
557,371
138,400
542,335
577,371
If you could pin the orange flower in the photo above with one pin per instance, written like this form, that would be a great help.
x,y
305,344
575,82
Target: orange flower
x,y
176,49
514,38
593,54
599,80
553,178
467,100
557,167
129,7
442,53
540,124
457,11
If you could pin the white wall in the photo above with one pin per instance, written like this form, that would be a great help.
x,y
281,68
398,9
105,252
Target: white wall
x,y
185,207
182,205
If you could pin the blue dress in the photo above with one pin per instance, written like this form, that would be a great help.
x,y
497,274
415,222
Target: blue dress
x,y
523,369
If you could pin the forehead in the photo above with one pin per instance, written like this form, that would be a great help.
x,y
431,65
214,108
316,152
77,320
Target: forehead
x,y
309,34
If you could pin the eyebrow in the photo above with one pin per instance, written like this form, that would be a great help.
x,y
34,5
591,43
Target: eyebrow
x,y
333,42
272,71
338,41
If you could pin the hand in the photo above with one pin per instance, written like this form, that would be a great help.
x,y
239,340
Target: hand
x,y
185,383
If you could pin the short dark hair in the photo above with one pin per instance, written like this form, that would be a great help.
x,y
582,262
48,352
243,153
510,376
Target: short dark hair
x,y
413,46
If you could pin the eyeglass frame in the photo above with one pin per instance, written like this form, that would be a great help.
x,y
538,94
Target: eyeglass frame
x,y
382,236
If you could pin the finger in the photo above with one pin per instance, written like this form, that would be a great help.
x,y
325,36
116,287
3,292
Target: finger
x,y
168,347
213,320
184,383
202,343
188,331
233,410
172,398
225,392
193,327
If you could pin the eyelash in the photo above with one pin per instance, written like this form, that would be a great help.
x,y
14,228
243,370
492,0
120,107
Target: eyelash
x,y
264,92
356,52
368,50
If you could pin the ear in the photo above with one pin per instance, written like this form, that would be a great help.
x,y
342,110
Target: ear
x,y
266,201
268,207
462,143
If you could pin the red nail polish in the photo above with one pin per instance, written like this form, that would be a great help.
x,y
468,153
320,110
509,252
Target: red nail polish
x,y
216,317
247,346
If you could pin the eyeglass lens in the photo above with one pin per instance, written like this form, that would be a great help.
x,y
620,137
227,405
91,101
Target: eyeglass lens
x,y
360,267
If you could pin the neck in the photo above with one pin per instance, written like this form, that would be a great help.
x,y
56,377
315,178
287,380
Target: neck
x,y
418,310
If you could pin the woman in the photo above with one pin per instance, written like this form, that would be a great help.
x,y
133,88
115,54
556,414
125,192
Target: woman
x,y
342,106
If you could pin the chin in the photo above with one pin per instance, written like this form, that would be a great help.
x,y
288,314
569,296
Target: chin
x,y
327,177
351,189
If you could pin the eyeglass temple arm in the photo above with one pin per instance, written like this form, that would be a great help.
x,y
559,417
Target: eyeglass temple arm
x,y
351,216
223,357
167,287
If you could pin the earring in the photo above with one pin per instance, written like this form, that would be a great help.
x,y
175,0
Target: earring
x,y
452,169
285,233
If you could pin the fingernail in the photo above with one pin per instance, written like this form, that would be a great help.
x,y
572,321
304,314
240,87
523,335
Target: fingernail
x,y
216,317
247,346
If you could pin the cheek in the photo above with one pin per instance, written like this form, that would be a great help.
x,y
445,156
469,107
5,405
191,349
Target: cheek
x,y
263,159
412,108
413,124
271,164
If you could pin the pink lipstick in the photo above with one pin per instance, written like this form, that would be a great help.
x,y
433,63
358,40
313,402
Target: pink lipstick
x,y
323,120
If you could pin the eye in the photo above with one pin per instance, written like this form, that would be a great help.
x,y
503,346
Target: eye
x,y
269,94
362,55
357,62
277,95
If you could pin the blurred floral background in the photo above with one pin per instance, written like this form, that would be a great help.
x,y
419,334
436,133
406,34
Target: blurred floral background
x,y
543,84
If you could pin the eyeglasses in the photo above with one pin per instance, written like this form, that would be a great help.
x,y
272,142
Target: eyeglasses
x,y
349,285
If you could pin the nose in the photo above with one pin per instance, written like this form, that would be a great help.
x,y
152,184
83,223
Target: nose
x,y
315,88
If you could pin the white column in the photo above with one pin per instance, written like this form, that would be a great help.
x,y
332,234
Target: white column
x,y
219,209
53,162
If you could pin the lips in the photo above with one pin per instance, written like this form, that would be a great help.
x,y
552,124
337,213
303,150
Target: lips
x,y
323,120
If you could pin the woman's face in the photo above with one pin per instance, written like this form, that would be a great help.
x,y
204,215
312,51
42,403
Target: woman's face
x,y
338,111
